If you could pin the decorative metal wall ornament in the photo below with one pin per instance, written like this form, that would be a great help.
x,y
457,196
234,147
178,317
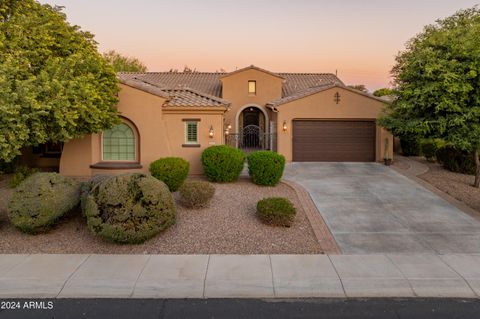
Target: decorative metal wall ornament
x,y
336,97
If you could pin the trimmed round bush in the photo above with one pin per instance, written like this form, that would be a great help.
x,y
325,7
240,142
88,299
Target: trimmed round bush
x,y
41,199
410,145
171,170
196,194
456,160
265,167
86,187
222,163
276,211
129,208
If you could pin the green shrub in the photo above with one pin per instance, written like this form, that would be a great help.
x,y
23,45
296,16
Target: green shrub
x,y
265,167
21,173
222,163
171,170
7,167
41,199
429,147
410,145
276,211
196,194
456,160
129,208
86,187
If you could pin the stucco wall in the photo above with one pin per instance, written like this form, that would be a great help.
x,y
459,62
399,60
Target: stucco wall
x,y
161,134
235,90
322,105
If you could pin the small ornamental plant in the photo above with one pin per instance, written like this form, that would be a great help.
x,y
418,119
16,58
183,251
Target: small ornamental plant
x,y
277,211
171,170
196,194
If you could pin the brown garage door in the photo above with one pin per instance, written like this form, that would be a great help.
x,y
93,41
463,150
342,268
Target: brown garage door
x,y
333,141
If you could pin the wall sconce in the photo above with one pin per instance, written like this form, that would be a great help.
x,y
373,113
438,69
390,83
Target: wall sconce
x,y
284,126
210,131
227,132
229,126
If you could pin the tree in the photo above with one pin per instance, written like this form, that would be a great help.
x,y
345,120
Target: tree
x,y
437,81
122,63
383,92
359,87
54,85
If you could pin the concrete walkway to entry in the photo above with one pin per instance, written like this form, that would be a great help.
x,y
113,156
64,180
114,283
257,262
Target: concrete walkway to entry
x,y
239,276
372,209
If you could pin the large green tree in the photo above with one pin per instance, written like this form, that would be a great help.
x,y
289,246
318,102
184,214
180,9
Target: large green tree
x,y
437,81
383,92
123,63
54,85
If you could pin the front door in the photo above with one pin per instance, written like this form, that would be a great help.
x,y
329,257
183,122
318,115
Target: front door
x,y
251,128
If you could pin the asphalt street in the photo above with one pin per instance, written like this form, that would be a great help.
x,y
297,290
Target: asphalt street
x,y
241,308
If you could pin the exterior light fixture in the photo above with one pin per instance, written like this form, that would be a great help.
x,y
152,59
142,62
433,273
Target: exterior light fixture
x,y
229,126
210,131
284,126
227,132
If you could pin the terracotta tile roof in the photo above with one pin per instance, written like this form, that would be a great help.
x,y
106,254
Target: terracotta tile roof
x,y
254,68
188,97
317,89
299,94
180,97
296,82
145,86
204,82
209,82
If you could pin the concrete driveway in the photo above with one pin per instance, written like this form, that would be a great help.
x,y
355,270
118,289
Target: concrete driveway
x,y
370,208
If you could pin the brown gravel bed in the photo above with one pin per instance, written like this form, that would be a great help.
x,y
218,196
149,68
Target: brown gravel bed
x,y
456,185
228,226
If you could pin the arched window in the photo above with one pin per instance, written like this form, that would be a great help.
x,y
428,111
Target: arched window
x,y
119,143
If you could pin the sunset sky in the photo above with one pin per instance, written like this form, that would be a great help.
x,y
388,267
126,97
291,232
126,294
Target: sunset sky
x,y
358,38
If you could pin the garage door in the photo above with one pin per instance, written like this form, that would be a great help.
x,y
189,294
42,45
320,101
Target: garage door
x,y
333,141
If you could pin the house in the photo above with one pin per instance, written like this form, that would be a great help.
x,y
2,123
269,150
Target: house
x,y
304,116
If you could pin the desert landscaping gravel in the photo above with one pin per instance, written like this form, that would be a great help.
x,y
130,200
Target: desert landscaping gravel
x,y
456,185
228,226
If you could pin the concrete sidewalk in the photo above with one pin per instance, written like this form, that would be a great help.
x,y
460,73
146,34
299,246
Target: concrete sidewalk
x,y
242,276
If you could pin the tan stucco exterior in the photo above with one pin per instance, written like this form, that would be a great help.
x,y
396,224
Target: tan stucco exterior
x,y
160,126
322,105
235,90
160,134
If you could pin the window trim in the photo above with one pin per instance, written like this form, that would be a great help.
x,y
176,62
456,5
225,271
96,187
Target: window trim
x,y
136,140
254,86
186,141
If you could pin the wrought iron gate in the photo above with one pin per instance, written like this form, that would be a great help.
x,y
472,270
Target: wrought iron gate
x,y
251,137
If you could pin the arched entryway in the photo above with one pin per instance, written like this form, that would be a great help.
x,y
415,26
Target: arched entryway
x,y
252,128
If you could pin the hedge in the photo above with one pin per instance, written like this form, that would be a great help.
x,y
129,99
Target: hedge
x,y
266,167
222,163
171,170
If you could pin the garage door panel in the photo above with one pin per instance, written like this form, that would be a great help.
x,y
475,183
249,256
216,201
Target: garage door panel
x,y
333,141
